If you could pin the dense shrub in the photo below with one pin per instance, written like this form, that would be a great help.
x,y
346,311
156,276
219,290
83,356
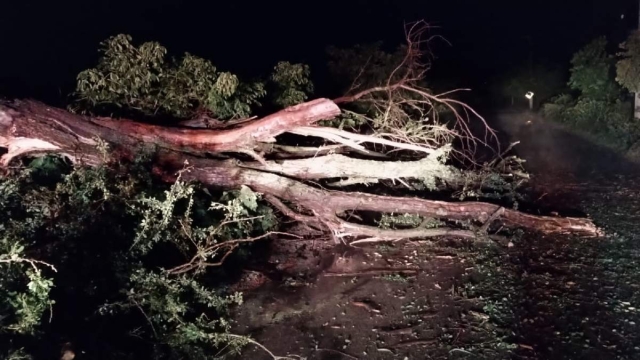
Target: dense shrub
x,y
89,256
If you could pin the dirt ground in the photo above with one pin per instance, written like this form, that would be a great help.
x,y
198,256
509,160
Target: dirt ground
x,y
534,298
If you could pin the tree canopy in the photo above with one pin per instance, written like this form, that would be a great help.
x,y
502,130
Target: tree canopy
x,y
140,78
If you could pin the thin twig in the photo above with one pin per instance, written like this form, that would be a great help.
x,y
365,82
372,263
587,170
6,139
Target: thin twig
x,y
198,260
31,262
146,317
338,352
494,216
373,272
264,348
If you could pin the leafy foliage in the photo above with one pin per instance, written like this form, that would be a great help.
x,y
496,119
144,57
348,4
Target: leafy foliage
x,y
292,83
175,308
108,238
600,110
24,288
591,71
108,251
140,78
628,66
18,354
609,122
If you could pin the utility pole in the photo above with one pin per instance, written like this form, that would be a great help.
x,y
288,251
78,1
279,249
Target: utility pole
x,y
531,54
636,97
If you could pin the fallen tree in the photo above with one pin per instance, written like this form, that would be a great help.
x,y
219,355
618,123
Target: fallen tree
x,y
32,128
365,167
405,119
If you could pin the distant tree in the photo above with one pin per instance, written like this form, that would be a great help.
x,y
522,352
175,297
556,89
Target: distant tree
x,y
628,68
591,71
599,110
628,65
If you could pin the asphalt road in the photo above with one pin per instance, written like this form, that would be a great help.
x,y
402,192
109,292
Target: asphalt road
x,y
551,150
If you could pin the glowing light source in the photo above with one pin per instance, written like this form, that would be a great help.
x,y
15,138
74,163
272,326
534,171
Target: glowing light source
x,y
529,95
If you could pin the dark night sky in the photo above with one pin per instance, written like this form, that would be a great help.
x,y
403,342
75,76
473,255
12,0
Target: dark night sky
x,y
44,44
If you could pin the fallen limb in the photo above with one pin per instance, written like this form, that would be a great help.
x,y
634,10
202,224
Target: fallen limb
x,y
326,204
31,127
335,166
354,140
34,128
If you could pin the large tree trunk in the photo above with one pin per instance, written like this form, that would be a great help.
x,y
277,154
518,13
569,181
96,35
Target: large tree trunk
x,y
32,128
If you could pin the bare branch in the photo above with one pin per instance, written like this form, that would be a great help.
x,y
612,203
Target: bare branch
x,y
199,260
408,112
264,348
353,140
31,262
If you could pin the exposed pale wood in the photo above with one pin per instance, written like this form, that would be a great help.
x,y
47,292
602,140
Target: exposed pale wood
x,y
335,165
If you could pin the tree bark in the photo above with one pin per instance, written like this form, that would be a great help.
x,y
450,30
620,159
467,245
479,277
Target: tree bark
x,y
32,128
326,204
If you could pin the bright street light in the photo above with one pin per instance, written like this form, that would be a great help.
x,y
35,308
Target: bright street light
x,y
529,95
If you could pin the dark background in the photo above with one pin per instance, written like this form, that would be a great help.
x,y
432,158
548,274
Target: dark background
x,y
44,44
